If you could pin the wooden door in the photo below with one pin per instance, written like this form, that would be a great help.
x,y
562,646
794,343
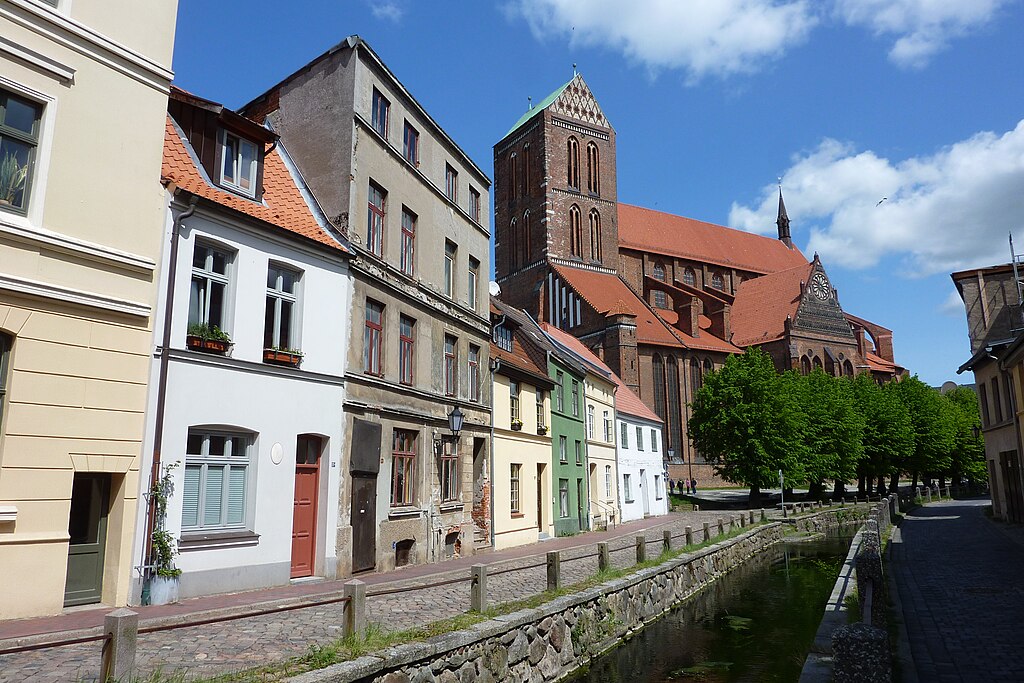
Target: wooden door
x,y
304,512
87,527
540,498
364,523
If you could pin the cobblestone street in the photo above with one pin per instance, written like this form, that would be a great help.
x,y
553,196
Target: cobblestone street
x,y
960,584
216,648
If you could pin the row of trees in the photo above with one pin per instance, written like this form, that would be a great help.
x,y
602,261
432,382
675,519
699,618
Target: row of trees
x,y
750,422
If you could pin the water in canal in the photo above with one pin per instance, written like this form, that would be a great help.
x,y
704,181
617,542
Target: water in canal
x,y
755,624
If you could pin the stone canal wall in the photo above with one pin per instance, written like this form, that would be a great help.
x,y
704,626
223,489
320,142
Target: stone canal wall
x,y
549,642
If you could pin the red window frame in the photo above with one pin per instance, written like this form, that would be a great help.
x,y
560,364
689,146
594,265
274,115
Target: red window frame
x,y
573,163
451,183
450,361
407,259
403,467
575,231
473,367
373,339
406,349
380,113
411,144
376,213
474,204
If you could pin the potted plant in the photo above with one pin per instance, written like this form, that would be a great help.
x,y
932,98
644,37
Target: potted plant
x,y
542,430
279,356
517,425
163,576
207,338
12,178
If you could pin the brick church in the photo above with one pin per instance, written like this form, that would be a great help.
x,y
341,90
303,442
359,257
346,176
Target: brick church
x,y
661,299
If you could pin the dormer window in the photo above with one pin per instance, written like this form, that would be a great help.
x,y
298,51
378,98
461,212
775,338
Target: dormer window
x,y
503,338
239,162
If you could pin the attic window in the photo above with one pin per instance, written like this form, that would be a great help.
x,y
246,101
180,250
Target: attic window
x,y
239,162
503,338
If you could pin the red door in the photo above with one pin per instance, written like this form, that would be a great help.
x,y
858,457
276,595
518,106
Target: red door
x,y
307,479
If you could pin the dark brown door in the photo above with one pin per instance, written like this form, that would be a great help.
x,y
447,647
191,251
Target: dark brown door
x,y
540,498
307,484
364,523
87,527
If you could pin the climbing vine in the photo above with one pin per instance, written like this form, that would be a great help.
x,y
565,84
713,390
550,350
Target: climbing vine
x,y
164,549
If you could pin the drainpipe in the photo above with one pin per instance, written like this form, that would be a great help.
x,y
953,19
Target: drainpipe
x,y
493,366
161,390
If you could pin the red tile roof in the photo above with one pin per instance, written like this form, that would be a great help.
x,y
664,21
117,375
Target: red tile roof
x,y
282,205
763,303
878,364
663,233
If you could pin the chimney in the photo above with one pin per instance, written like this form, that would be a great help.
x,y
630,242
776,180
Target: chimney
x,y
689,309
721,322
619,345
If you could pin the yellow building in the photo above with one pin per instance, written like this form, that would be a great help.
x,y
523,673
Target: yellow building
x,y
83,97
521,409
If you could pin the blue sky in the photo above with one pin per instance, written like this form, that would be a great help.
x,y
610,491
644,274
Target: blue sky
x,y
849,101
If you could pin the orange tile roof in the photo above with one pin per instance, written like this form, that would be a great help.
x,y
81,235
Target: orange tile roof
x,y
576,346
763,303
878,364
282,205
629,403
663,233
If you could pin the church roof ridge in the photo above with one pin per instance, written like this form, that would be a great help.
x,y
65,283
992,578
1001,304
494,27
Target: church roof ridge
x,y
541,106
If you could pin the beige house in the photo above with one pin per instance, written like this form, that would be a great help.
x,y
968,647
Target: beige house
x,y
83,96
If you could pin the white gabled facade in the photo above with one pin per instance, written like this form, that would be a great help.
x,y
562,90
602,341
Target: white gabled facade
x,y
642,487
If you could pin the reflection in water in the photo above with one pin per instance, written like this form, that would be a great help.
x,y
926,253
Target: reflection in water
x,y
755,624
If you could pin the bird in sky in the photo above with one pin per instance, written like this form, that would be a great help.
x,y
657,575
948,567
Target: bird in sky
x,y
880,201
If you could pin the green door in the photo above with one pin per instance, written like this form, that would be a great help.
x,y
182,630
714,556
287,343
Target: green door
x,y
87,527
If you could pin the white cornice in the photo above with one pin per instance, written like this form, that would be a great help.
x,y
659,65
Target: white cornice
x,y
55,241
71,296
61,71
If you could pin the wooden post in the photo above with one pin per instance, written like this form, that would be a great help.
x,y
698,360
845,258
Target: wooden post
x,y
121,628
355,609
707,531
689,535
751,517
641,549
603,557
666,541
554,570
478,588
721,527
764,517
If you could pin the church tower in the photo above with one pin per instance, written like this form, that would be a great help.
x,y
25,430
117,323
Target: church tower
x,y
554,194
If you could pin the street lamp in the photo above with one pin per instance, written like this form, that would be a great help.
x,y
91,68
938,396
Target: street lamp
x,y
455,419
976,429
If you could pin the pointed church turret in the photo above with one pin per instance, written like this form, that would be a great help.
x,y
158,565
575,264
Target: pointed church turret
x,y
783,222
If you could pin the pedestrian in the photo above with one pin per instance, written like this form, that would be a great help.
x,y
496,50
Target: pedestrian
x,y
693,486
687,487
671,485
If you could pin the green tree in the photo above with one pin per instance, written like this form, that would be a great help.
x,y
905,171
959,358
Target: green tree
x,y
933,425
747,424
888,436
968,456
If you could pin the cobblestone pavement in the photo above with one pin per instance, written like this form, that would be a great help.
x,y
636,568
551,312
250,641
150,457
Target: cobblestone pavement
x,y
243,643
960,583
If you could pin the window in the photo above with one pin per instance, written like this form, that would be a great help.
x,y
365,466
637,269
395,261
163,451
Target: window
x,y
451,363
539,401
19,137
654,440
406,349
523,243
623,435
575,231
573,163
6,342
595,235
216,485
607,481
411,144
513,481
210,277
472,282
717,281
513,175
513,250
281,304
526,169
375,220
983,400
660,300
379,115
590,422
579,452
658,272
560,391
239,160
503,337
473,372
449,474
403,467
997,403
575,398
449,269
689,277
513,401
608,427
627,491
451,183
474,204
593,169
563,449
407,259
563,498
657,487
373,338
639,438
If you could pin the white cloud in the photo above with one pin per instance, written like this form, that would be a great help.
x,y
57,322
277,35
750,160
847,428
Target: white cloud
x,y
921,27
952,306
387,10
943,212
701,37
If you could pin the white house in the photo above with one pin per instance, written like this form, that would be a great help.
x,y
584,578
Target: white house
x,y
642,487
250,430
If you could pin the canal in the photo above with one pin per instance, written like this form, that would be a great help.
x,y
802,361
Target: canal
x,y
755,624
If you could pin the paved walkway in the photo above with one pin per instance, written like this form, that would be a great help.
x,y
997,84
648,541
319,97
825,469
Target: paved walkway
x,y
960,578
218,648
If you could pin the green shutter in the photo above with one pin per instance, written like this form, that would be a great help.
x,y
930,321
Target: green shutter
x,y
236,495
190,496
212,500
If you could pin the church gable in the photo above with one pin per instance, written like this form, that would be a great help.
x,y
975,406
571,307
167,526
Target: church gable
x,y
819,310
577,102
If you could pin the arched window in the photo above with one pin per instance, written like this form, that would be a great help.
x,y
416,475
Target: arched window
x,y
848,368
659,385
708,367
513,176
675,424
818,364
573,163
595,235
717,281
805,365
658,272
526,170
575,231
689,277
524,240
513,246
593,169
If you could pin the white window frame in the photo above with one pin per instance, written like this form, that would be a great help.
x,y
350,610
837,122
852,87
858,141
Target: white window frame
x,y
624,435
280,297
230,462
607,481
608,436
236,164
451,255
211,276
591,419
639,438
515,492
654,439
627,492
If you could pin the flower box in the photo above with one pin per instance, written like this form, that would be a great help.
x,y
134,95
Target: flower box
x,y
197,343
542,430
516,425
278,357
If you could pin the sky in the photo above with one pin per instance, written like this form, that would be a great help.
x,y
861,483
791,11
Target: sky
x,y
896,126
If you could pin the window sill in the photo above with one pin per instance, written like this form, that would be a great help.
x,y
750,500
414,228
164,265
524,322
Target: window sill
x,y
403,512
630,500
208,540
518,515
451,506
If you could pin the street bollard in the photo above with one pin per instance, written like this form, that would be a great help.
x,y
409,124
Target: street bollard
x,y
603,557
721,527
751,518
121,628
666,541
764,517
842,502
707,532
689,535
732,524
355,608
554,570
641,549
928,497
478,589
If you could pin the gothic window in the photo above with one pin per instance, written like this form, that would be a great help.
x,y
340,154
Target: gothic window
x,y
526,170
708,367
575,231
524,240
659,385
593,168
660,300
659,272
595,235
848,368
717,281
689,277
696,377
675,427
573,163
513,175
513,247
805,365
817,363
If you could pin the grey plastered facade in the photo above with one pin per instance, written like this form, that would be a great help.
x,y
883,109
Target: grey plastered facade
x,y
323,113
